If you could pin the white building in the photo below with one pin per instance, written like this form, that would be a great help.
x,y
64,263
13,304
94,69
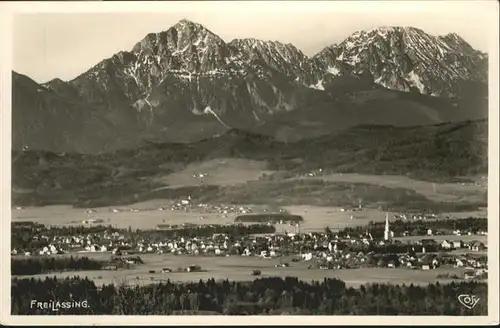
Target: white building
x,y
447,244
307,256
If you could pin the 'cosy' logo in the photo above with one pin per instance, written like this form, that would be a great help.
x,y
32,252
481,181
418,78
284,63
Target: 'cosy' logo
x,y
469,301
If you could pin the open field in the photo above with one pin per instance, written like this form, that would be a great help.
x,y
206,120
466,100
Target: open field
x,y
481,213
146,219
319,217
238,178
324,193
241,181
316,218
217,172
445,192
446,152
239,268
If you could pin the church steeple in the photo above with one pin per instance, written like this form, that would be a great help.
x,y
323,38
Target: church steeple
x,y
387,231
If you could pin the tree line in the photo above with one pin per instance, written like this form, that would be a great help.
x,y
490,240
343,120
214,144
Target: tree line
x,y
235,230
420,227
272,217
39,265
263,296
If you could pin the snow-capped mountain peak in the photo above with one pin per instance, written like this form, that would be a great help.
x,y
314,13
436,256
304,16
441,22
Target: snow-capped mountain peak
x,y
406,58
186,46
186,83
397,57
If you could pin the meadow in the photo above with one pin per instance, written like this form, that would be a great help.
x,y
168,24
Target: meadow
x,y
316,218
239,268
216,172
445,191
146,215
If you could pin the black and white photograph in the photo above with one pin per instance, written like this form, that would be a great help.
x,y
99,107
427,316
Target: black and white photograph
x,y
293,159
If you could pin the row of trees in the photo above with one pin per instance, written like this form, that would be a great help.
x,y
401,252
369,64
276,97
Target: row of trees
x,y
263,296
29,266
208,231
273,218
420,227
63,230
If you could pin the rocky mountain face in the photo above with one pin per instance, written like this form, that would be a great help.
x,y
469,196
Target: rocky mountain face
x,y
186,83
45,119
408,59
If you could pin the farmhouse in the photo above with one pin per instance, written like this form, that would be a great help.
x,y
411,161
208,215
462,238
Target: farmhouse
x,y
193,268
469,275
477,246
447,244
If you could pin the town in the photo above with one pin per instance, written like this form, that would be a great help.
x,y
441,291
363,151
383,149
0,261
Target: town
x,y
378,244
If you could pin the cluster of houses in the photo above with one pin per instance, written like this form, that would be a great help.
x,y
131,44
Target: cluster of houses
x,y
482,182
414,216
92,221
314,173
117,262
422,261
200,175
323,250
189,268
79,243
188,205
50,249
475,246
92,212
121,210
433,261
224,210
457,232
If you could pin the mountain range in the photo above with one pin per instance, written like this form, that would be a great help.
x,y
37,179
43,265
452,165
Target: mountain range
x,y
187,84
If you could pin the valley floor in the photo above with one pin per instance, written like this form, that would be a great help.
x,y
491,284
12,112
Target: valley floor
x,y
443,192
239,268
149,214
146,215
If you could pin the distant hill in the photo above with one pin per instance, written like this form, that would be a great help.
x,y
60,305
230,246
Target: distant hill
x,y
437,152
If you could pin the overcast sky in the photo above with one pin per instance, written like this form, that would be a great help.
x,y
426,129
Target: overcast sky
x,y
48,45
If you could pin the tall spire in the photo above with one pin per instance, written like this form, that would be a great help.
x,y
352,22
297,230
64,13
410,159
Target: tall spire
x,y
386,231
